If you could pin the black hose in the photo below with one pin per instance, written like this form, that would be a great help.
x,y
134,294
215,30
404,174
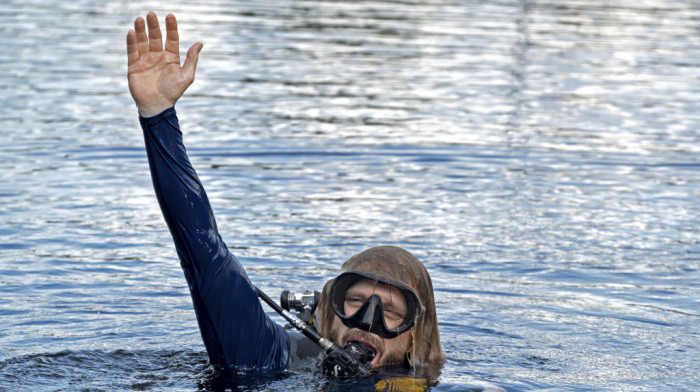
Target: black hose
x,y
304,328
338,363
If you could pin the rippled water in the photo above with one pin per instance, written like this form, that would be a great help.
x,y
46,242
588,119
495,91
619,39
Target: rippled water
x,y
541,157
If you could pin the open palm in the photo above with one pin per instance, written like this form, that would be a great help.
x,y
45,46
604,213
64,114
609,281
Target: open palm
x,y
156,79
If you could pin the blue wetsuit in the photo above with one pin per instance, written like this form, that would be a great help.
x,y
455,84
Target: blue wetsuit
x,y
236,331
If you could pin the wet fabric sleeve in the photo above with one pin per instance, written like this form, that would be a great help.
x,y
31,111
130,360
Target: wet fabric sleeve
x,y
236,331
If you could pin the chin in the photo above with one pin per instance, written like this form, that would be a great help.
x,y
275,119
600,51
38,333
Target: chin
x,y
381,362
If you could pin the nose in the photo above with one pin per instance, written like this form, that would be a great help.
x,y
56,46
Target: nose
x,y
372,312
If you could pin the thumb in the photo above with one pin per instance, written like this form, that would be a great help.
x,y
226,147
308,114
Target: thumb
x,y
190,65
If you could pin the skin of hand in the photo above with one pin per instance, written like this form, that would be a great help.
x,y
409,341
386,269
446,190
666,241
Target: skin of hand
x,y
156,79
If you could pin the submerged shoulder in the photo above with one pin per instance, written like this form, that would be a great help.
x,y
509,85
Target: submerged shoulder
x,y
303,353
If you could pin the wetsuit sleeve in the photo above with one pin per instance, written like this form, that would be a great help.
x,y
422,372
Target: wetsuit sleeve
x,y
236,331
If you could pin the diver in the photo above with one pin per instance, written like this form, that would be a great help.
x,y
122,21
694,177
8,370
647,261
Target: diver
x,y
381,304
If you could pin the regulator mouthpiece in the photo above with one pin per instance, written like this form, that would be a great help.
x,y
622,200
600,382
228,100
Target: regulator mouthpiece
x,y
363,354
353,361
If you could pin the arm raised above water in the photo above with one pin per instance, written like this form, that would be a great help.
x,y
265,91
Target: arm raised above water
x,y
235,329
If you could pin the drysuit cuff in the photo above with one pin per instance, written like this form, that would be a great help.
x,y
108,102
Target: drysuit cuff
x,y
153,120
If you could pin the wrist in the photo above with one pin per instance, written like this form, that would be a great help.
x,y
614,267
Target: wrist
x,y
153,109
147,122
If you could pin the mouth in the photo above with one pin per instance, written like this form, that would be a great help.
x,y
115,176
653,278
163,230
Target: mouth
x,y
373,351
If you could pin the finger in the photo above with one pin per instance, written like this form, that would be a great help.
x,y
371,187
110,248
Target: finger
x,y
155,39
141,37
190,65
172,38
132,51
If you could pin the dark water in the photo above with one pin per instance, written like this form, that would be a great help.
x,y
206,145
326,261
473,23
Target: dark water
x,y
541,158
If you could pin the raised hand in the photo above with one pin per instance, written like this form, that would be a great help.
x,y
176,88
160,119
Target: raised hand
x,y
156,79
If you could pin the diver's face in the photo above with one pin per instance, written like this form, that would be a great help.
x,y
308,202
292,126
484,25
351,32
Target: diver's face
x,y
389,351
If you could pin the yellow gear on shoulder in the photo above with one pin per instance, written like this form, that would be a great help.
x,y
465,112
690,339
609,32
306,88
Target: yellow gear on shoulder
x,y
401,384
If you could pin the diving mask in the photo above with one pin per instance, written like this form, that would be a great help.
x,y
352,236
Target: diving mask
x,y
365,310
